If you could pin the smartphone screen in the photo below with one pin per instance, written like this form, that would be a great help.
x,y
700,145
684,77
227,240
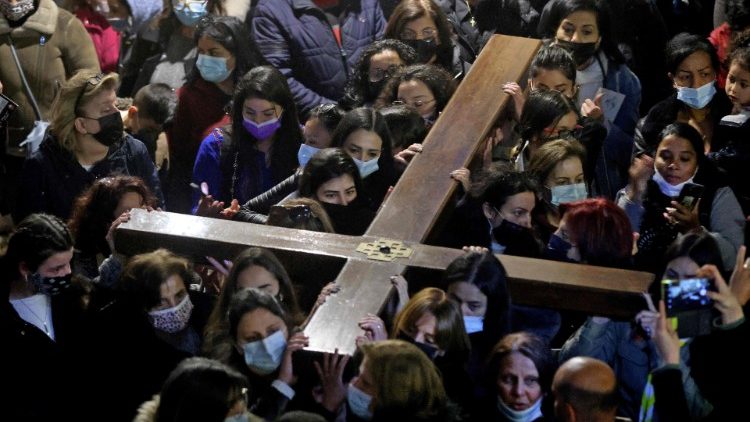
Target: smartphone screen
x,y
690,194
686,294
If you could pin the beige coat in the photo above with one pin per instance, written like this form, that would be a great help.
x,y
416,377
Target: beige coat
x,y
52,45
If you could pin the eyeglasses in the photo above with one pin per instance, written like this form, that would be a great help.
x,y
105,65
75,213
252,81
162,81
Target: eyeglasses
x,y
408,34
377,75
191,5
415,104
298,214
92,81
567,134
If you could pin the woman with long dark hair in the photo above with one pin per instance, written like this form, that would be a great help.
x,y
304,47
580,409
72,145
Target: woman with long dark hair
x,y
259,148
224,56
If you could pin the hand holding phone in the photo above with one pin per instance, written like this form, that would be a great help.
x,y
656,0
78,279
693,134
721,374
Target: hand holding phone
x,y
686,294
690,194
688,301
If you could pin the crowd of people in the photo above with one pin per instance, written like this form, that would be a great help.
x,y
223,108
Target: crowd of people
x,y
628,147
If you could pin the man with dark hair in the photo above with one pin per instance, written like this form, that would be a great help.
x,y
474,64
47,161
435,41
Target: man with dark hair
x,y
585,390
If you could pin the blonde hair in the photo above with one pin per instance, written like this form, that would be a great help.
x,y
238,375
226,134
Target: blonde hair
x,y
450,333
74,94
404,379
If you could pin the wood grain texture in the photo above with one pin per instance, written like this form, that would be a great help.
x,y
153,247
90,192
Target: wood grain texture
x,y
409,215
424,189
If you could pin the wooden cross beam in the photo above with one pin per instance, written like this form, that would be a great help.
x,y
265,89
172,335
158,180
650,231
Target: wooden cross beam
x,y
408,215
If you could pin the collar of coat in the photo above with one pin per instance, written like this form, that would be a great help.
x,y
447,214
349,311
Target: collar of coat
x,y
43,21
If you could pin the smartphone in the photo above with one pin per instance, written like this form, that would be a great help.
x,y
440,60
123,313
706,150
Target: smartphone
x,y
687,294
690,194
7,106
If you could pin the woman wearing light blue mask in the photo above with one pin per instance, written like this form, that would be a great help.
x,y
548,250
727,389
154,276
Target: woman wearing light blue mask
x,y
692,65
558,167
224,56
477,282
263,348
398,382
256,151
363,134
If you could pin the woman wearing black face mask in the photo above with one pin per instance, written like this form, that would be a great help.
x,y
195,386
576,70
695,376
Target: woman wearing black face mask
x,y
434,323
608,90
422,25
85,142
497,214
41,316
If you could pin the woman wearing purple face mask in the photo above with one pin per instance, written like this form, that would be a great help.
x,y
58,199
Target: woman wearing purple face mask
x,y
692,65
224,57
150,323
257,151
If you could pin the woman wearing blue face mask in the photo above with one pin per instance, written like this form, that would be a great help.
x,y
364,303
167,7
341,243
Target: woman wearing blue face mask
x,y
692,65
263,347
363,134
397,381
608,91
163,50
477,283
257,151
224,57
558,167
652,200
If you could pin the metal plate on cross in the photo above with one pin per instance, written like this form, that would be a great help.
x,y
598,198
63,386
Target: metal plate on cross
x,y
384,250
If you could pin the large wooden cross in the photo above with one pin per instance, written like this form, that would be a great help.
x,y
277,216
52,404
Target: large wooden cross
x,y
408,215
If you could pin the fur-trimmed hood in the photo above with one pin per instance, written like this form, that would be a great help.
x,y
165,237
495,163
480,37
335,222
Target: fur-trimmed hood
x,y
147,411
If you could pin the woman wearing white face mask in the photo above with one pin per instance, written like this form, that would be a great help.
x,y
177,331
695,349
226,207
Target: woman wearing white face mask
x,y
558,167
364,135
263,348
152,322
692,66
651,198
520,369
